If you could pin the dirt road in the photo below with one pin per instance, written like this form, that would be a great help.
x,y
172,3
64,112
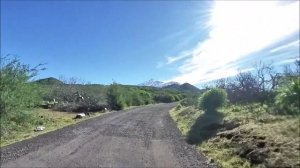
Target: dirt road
x,y
141,137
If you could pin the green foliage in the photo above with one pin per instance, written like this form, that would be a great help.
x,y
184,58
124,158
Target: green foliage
x,y
254,112
121,96
190,100
164,98
115,98
18,95
287,97
213,99
142,97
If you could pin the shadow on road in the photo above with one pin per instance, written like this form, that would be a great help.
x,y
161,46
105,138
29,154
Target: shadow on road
x,y
205,127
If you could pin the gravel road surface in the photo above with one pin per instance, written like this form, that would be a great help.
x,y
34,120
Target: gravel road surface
x,y
141,137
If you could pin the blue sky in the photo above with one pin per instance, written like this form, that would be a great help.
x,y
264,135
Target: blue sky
x,y
131,42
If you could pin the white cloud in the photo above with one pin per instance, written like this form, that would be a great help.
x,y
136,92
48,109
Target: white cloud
x,y
237,29
286,46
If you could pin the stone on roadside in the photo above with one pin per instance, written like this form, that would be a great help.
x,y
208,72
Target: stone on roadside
x,y
80,115
39,128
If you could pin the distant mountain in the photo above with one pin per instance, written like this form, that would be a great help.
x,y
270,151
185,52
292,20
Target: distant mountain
x,y
170,83
155,83
152,83
49,81
186,87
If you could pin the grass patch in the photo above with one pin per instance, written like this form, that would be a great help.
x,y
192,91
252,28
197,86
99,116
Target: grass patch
x,y
244,136
185,117
52,120
224,153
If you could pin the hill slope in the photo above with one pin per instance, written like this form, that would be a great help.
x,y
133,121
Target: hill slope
x,y
49,81
186,87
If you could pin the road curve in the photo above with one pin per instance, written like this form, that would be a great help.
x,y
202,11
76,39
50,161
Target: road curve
x,y
142,137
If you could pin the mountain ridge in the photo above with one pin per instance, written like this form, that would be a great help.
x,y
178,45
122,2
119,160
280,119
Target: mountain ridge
x,y
156,83
185,87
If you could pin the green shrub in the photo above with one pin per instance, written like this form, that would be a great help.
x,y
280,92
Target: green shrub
x,y
287,97
213,99
17,96
115,98
147,97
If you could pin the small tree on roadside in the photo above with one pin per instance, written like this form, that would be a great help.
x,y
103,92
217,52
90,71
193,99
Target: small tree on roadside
x,y
18,94
213,99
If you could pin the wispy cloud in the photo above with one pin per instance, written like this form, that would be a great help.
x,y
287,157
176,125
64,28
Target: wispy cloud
x,y
237,29
289,60
173,36
286,46
181,56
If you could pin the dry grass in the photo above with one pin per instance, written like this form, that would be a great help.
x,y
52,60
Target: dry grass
x,y
52,120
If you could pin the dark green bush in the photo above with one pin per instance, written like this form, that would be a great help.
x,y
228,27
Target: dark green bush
x,y
287,97
213,99
164,98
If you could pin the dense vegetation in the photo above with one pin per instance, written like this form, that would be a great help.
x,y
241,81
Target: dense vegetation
x,y
20,95
79,97
259,126
17,95
121,96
